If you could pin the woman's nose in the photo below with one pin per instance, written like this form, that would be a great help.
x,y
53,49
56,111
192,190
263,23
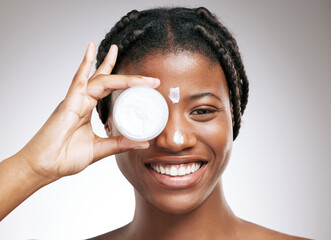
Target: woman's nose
x,y
177,135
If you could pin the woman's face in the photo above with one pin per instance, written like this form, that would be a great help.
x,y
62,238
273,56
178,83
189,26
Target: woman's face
x,y
198,133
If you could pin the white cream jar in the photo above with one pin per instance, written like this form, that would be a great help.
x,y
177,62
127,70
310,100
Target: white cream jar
x,y
140,113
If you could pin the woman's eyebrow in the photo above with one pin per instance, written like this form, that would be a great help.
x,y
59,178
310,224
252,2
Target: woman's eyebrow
x,y
204,94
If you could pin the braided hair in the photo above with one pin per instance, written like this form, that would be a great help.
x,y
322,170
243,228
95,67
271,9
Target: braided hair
x,y
169,30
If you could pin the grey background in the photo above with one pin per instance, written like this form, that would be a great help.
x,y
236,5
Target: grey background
x,y
278,175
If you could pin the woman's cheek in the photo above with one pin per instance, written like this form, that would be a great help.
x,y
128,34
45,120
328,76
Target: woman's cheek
x,y
218,137
124,163
217,133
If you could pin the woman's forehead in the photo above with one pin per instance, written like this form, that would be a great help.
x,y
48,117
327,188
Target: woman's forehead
x,y
192,73
183,68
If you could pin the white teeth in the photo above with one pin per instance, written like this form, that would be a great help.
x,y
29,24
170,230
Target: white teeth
x,y
181,171
188,170
162,170
176,169
173,171
195,167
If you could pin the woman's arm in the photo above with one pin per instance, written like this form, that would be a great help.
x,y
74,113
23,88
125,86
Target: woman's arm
x,y
66,144
17,182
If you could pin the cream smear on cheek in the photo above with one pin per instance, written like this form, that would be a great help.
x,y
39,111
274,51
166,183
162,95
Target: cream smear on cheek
x,y
174,96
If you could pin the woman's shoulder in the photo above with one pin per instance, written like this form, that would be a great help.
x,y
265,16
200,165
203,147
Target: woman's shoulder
x,y
254,231
248,231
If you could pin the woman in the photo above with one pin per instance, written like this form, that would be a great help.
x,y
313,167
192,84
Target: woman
x,y
177,184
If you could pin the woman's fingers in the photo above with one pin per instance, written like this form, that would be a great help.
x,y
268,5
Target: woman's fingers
x,y
103,85
86,65
82,75
104,147
108,63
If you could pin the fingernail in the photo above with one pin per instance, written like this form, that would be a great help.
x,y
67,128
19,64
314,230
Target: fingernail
x,y
112,48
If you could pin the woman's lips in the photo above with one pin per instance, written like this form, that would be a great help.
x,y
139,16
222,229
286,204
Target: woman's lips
x,y
177,175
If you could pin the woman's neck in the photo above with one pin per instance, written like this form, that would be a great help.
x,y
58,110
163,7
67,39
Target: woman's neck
x,y
212,219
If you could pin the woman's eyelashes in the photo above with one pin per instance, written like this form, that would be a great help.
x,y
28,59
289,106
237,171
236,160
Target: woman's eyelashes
x,y
204,113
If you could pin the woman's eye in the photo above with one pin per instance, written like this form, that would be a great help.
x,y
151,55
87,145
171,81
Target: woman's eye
x,y
202,111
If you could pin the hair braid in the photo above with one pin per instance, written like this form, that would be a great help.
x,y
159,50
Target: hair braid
x,y
114,34
123,42
238,85
230,74
232,46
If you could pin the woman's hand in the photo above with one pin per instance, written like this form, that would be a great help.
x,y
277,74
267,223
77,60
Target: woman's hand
x,y
66,144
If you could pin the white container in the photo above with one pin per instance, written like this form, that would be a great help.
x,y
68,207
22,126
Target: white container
x,y
140,113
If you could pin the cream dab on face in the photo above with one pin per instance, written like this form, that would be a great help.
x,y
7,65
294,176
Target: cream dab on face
x,y
178,138
174,95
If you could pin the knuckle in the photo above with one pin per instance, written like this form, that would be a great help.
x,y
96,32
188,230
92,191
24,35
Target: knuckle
x,y
80,83
128,83
87,59
78,80
132,81
96,78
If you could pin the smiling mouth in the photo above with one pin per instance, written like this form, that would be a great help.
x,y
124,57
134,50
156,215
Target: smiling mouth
x,y
175,170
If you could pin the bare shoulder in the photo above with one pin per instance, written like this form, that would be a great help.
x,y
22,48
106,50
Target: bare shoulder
x,y
248,231
119,233
254,231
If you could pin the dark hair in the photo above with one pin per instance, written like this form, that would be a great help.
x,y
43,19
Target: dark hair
x,y
178,29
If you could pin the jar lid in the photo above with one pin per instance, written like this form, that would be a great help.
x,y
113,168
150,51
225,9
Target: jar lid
x,y
140,113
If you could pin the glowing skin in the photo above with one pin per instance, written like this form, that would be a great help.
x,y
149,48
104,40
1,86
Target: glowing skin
x,y
174,95
203,119
178,187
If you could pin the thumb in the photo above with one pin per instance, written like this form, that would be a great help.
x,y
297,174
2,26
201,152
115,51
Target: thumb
x,y
104,147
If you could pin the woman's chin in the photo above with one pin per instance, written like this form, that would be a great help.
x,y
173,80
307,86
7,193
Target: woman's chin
x,y
178,204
